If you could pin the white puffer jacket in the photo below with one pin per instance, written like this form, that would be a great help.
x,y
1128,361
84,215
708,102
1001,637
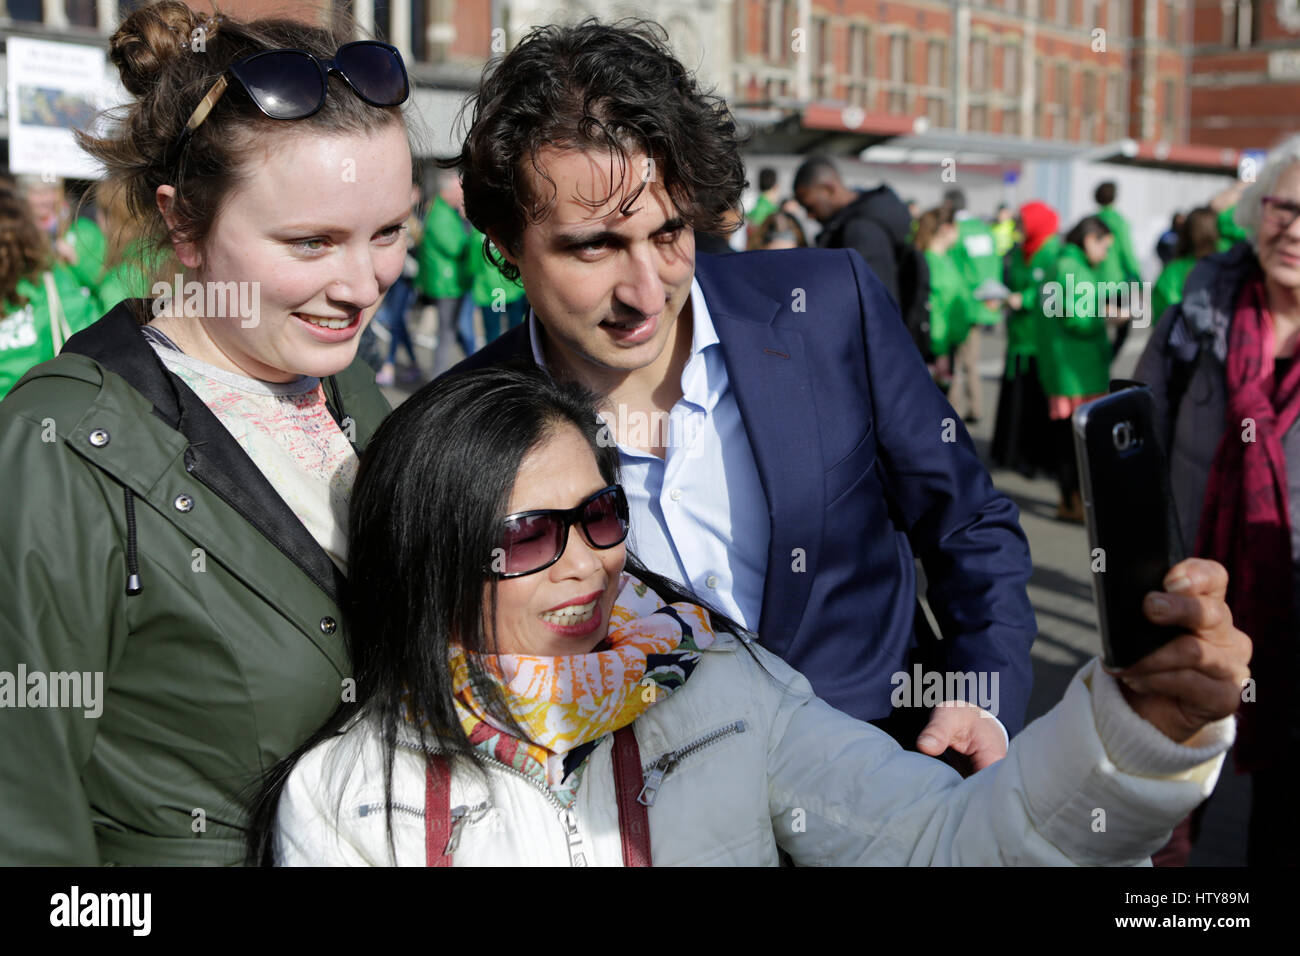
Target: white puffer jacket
x,y
760,766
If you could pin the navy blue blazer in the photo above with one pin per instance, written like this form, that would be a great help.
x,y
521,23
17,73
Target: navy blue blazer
x,y
864,465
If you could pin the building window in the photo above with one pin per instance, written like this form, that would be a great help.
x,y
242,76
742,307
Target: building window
x,y
934,71
979,65
772,20
934,111
1062,11
1063,99
1011,122
821,47
790,20
898,57
1171,110
1171,23
31,10
859,50
1240,22
978,121
1011,69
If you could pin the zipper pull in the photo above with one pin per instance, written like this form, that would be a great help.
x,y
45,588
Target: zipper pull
x,y
653,780
570,821
457,818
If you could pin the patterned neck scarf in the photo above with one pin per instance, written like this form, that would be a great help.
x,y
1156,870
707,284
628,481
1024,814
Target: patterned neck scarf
x,y
565,705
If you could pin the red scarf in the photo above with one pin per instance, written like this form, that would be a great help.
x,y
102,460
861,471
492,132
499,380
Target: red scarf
x,y
1245,524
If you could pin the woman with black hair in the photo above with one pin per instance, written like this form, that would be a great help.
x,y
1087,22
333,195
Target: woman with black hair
x,y
1074,352
527,694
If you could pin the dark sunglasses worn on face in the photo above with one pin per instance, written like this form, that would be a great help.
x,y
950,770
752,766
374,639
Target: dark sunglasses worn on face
x,y
291,84
532,541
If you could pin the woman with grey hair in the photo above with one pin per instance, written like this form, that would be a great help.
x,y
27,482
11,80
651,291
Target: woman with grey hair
x,y
1222,368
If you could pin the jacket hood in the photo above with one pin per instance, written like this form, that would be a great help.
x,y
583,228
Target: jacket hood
x,y
883,207
1040,222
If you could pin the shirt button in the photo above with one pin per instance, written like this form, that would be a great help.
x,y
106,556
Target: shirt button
x,y
675,494
712,581
99,438
183,503
328,625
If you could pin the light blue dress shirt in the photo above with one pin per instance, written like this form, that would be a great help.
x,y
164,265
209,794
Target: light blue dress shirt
x,y
699,515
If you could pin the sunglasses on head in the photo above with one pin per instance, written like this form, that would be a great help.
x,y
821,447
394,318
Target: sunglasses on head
x,y
532,541
291,84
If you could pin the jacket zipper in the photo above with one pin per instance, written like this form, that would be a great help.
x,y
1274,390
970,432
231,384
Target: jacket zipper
x,y
654,773
459,815
368,808
568,819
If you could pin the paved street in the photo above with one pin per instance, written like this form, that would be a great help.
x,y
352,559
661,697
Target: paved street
x,y
1060,590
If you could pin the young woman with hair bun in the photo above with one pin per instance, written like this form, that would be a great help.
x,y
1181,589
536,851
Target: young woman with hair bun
x,y
178,477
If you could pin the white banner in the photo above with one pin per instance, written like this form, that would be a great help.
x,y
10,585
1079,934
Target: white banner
x,y
54,88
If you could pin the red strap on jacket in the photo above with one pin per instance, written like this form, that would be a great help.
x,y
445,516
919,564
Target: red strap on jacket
x,y
633,816
437,813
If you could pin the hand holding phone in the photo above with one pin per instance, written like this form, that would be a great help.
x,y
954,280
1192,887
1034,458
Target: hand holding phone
x,y
1196,678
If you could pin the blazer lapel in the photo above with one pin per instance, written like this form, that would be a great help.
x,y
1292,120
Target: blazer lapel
x,y
768,370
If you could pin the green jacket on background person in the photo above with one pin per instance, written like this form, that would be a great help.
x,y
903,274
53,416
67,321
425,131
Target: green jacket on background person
x,y
1028,278
441,255
230,656
1168,289
975,255
486,279
1073,349
1121,262
952,309
26,333
763,208
88,241
132,278
1229,232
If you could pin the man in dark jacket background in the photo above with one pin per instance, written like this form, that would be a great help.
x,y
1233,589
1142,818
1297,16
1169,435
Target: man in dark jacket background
x,y
875,222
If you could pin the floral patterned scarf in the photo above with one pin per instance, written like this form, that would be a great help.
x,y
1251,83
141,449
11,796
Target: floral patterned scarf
x,y
565,705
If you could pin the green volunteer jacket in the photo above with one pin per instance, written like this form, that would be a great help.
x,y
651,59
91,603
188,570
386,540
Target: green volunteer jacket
x,y
1073,348
975,255
1028,278
230,656
486,278
91,247
763,208
952,309
1121,262
25,330
441,255
1169,287
1229,232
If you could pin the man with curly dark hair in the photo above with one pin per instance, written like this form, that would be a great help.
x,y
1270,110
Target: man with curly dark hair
x,y
783,448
